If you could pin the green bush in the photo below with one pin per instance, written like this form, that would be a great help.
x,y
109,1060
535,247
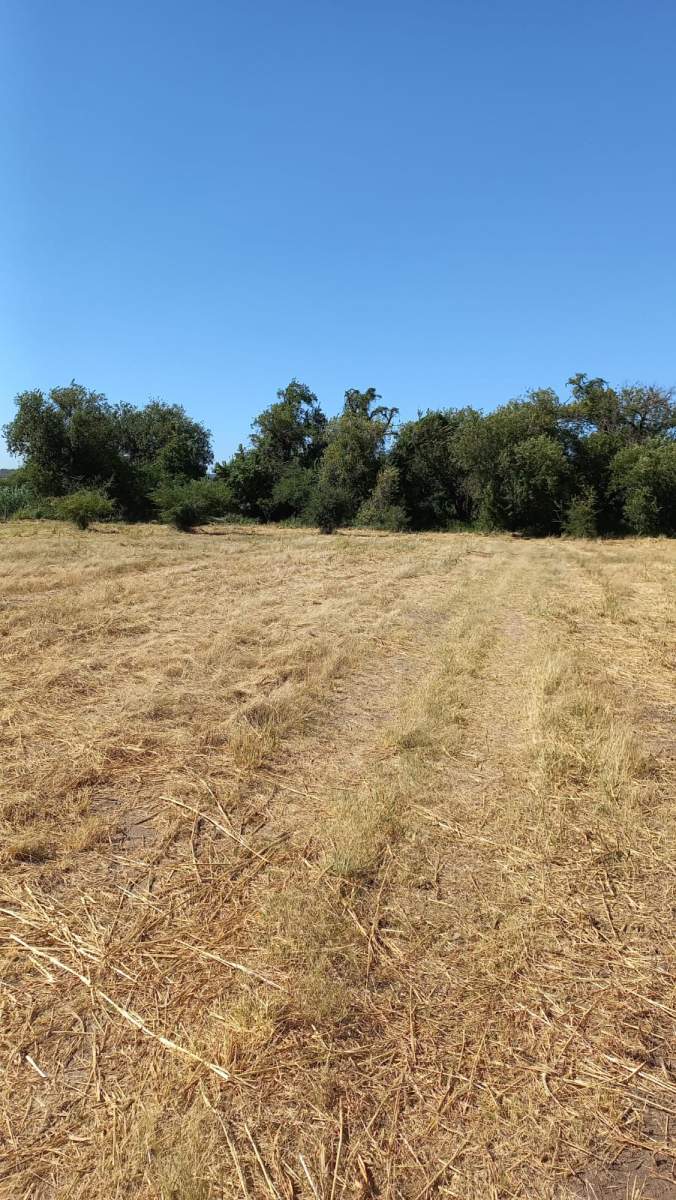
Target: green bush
x,y
190,502
329,507
581,517
644,478
90,504
381,510
234,518
40,508
13,497
300,522
642,511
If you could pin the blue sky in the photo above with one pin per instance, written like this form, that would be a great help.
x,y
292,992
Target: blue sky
x,y
450,200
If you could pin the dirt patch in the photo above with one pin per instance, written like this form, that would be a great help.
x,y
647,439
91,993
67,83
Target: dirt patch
x,y
643,1172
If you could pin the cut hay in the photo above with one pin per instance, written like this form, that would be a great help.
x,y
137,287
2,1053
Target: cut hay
x,y
336,867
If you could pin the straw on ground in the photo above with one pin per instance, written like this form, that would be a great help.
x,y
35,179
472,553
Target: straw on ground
x,y
335,866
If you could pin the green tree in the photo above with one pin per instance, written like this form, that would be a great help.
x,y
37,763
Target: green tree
x,y
633,414
515,464
67,439
292,429
13,498
354,454
363,404
644,479
165,437
73,439
533,479
605,420
431,482
251,480
274,477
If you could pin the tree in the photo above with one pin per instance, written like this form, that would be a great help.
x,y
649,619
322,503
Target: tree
x,y
292,491
157,442
353,457
581,519
274,477
292,429
600,463
67,438
515,463
73,439
644,479
13,498
534,476
164,436
251,480
431,483
634,413
604,421
363,404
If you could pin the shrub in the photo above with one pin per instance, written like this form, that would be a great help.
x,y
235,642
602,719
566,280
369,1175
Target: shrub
x,y
329,506
644,478
642,511
13,497
300,522
39,508
90,504
234,518
187,503
292,492
581,518
184,515
382,510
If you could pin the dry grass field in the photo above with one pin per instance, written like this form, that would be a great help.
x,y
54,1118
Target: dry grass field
x,y
336,866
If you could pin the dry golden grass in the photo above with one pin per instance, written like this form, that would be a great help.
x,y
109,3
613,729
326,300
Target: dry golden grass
x,y
336,866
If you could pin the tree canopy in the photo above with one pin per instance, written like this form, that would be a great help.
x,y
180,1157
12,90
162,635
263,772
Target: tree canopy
x,y
602,461
74,439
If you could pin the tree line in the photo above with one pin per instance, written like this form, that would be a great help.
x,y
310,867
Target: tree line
x,y
600,462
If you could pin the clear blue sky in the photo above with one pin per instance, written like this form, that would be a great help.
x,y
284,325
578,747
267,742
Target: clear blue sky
x,y
450,200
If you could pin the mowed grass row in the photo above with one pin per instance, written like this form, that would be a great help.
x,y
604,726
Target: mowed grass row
x,y
335,866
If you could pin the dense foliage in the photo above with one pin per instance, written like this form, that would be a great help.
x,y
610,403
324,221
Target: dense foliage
x,y
73,440
84,507
601,462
